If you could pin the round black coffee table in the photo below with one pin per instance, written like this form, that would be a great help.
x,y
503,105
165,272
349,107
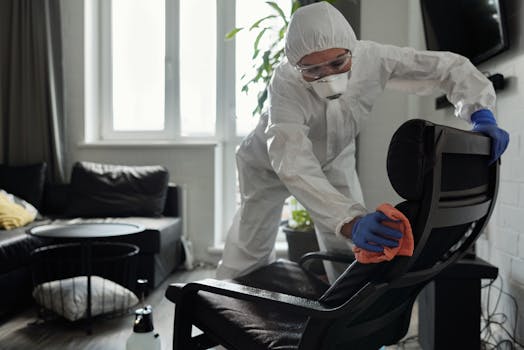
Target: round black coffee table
x,y
88,231
86,234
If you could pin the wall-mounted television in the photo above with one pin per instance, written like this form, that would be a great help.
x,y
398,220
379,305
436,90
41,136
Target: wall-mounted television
x,y
475,29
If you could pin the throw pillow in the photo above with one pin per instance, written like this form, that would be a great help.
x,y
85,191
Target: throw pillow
x,y
15,212
102,190
26,181
68,297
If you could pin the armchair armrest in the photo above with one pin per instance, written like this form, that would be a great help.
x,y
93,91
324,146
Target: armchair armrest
x,y
290,303
329,256
303,306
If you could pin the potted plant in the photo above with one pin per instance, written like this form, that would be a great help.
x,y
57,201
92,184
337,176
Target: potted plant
x,y
299,231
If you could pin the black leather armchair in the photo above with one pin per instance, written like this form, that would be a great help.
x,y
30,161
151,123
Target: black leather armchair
x,y
449,191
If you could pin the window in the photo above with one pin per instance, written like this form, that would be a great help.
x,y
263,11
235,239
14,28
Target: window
x,y
158,61
164,71
198,64
137,64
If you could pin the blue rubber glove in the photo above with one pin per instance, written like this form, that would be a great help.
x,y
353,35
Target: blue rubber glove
x,y
368,233
484,122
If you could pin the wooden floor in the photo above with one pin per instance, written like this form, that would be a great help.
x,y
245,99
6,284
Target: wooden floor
x,y
21,332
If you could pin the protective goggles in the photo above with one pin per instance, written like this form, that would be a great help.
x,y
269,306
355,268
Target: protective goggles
x,y
317,71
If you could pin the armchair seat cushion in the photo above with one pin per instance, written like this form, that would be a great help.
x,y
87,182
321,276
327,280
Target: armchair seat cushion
x,y
244,323
286,277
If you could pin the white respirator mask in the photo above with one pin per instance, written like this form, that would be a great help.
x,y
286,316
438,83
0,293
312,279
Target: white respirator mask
x,y
332,86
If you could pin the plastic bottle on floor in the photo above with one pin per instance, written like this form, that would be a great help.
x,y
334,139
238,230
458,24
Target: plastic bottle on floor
x,y
144,336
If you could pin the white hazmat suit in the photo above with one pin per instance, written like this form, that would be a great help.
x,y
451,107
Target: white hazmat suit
x,y
306,145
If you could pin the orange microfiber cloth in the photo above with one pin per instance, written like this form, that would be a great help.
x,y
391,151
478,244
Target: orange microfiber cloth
x,y
405,245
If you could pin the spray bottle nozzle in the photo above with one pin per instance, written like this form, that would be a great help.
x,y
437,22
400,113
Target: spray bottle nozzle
x,y
142,287
143,320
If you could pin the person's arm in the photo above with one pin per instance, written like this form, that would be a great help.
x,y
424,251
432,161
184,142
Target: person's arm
x,y
292,158
472,94
424,72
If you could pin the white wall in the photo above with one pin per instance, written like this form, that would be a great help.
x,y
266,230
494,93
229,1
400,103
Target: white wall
x,y
384,22
192,166
503,243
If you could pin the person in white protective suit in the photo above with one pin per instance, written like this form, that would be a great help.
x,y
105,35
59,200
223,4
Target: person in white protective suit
x,y
305,146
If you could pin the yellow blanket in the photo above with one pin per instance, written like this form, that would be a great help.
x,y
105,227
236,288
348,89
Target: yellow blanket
x,y
13,215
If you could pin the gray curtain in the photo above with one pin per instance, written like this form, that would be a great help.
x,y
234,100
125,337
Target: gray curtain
x,y
31,85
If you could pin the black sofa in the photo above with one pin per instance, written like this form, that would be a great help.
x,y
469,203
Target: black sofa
x,y
160,244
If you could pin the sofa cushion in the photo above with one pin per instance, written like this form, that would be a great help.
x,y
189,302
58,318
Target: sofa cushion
x,y
16,246
26,181
104,190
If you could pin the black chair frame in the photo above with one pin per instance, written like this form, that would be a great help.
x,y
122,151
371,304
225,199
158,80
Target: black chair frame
x,y
438,209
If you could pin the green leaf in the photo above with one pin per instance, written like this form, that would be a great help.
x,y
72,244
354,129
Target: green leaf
x,y
257,23
278,9
265,59
277,56
260,71
262,96
232,33
257,41
295,5
302,220
282,32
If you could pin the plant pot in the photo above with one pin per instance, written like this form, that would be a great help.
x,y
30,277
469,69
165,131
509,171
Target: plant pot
x,y
300,243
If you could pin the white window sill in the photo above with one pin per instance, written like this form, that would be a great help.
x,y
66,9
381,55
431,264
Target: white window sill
x,y
149,144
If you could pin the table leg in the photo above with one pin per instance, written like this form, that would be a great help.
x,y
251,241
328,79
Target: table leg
x,y
88,269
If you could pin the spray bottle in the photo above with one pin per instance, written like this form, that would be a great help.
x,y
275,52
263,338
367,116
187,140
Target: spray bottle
x,y
143,336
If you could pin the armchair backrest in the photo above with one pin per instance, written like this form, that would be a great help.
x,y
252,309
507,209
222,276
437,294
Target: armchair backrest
x,y
450,191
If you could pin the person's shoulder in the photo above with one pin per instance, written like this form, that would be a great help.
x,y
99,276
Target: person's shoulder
x,y
285,74
373,47
381,54
286,79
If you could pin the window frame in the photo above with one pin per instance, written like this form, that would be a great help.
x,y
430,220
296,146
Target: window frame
x,y
225,204
172,117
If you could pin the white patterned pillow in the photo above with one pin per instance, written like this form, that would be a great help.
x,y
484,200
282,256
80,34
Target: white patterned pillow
x,y
68,297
